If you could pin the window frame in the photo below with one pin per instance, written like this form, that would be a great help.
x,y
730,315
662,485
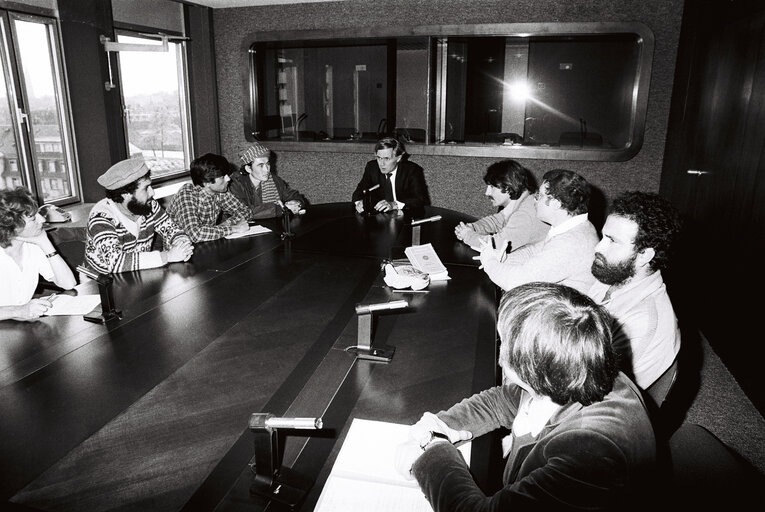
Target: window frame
x,y
13,71
184,91
641,88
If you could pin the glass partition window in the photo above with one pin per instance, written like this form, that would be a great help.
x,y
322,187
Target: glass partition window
x,y
156,111
324,93
36,141
580,93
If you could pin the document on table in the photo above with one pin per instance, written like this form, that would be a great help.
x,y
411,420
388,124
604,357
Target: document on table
x,y
425,259
254,230
73,304
364,476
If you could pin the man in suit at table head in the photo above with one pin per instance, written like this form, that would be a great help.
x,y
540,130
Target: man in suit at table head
x,y
198,206
258,187
581,438
395,182
121,227
637,238
565,254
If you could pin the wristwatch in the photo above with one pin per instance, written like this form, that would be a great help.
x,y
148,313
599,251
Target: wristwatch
x,y
430,438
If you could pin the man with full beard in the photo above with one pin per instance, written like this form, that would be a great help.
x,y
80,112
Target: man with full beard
x,y
121,227
637,239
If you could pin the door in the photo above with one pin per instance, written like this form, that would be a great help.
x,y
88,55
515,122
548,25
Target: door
x,y
714,171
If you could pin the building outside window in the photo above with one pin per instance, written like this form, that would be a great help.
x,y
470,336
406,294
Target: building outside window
x,y
35,121
155,105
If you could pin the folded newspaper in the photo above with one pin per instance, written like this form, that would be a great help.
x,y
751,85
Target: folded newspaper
x,y
425,259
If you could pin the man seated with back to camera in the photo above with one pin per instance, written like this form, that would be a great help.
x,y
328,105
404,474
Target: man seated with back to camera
x,y
637,240
198,206
26,253
510,187
265,193
565,254
121,227
580,433
400,184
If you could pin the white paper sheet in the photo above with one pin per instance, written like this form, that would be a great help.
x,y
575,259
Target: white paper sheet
x,y
254,230
73,304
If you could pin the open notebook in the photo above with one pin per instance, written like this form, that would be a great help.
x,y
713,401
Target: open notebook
x,y
364,477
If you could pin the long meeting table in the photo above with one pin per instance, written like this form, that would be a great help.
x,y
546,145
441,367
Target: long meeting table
x,y
149,412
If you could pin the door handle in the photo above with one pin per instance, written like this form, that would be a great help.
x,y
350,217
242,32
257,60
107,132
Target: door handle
x,y
694,172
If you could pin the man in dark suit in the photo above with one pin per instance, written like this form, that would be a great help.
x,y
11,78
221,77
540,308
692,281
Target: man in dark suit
x,y
393,182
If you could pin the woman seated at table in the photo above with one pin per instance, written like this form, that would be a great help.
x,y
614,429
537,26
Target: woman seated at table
x,y
25,254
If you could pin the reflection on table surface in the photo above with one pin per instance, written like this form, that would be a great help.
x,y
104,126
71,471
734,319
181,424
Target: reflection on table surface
x,y
150,412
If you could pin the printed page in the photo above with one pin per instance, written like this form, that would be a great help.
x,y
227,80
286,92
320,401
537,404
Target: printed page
x,y
424,258
73,304
364,476
254,230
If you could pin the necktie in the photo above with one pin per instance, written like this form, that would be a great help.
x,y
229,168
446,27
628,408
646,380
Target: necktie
x,y
388,189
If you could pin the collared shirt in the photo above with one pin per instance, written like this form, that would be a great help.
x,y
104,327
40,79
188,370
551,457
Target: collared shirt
x,y
567,225
197,211
646,333
19,283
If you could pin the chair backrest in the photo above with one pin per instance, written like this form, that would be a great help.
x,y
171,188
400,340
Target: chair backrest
x,y
659,390
706,474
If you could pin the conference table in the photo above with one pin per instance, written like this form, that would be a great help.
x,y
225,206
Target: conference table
x,y
150,411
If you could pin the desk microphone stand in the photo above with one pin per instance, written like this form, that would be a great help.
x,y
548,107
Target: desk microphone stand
x,y
416,235
286,224
271,480
364,349
108,310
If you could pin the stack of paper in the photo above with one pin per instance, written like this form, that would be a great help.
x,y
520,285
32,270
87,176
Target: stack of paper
x,y
364,477
254,230
425,259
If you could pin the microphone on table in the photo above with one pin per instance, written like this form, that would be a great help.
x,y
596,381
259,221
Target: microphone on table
x,y
266,420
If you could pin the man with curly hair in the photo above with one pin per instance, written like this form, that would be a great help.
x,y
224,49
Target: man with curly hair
x,y
637,239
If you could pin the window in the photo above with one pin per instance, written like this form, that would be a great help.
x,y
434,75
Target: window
x,y
155,105
566,91
35,124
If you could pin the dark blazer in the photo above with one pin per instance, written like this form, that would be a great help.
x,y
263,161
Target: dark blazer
x,y
596,457
411,188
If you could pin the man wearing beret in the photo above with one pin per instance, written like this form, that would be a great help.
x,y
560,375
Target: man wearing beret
x,y
121,227
264,192
197,206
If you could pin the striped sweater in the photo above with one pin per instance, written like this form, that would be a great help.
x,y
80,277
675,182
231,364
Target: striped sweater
x,y
116,244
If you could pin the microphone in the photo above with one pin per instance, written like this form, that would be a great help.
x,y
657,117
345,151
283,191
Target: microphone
x,y
362,309
429,219
260,420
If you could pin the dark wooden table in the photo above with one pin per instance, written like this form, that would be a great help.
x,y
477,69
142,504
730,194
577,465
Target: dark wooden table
x,y
150,412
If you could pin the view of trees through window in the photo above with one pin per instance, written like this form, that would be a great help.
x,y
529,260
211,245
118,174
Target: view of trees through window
x,y
153,91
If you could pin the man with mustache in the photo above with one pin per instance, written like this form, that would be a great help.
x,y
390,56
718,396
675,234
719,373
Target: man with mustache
x,y
637,239
121,227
